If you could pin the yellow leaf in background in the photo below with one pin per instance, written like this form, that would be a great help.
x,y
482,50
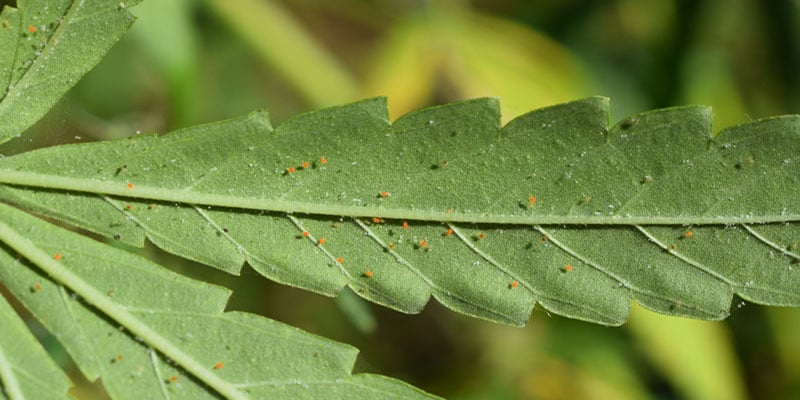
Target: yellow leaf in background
x,y
454,53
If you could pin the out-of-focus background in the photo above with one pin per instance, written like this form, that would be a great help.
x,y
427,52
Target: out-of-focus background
x,y
192,61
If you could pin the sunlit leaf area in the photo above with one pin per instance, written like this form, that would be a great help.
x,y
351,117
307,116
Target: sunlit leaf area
x,y
189,62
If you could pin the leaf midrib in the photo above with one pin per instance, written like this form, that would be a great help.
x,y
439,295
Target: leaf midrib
x,y
37,180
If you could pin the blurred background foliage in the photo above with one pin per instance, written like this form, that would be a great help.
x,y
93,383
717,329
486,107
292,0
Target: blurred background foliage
x,y
194,61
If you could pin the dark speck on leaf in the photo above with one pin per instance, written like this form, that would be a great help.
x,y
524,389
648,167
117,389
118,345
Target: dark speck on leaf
x,y
629,123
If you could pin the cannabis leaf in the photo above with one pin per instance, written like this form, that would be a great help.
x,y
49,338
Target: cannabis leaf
x,y
26,371
554,207
46,46
150,333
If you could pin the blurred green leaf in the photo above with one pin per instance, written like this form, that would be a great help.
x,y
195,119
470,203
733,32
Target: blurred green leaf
x,y
407,66
165,31
475,55
785,323
46,47
590,220
710,75
150,333
359,314
286,46
697,356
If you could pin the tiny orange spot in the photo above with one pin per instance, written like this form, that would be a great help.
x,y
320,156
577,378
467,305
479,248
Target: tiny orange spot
x,y
37,287
218,365
306,234
376,220
405,225
173,378
128,207
321,240
323,160
391,246
448,232
340,260
481,235
514,284
423,243
532,200
130,185
688,234
385,194
118,358
57,256
568,267
306,164
291,170
32,29
368,274
543,239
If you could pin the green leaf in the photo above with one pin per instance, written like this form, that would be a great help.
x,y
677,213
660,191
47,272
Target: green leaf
x,y
555,207
26,371
150,333
289,49
46,46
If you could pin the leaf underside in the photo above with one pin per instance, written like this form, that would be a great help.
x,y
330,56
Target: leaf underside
x,y
46,46
555,207
150,333
26,370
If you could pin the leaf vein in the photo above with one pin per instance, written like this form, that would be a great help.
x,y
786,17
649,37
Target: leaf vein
x,y
770,243
431,284
675,253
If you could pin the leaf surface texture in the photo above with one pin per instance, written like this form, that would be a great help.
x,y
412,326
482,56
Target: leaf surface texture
x,y
151,333
555,207
46,46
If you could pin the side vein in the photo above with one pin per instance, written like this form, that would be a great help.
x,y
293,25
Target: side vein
x,y
422,276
